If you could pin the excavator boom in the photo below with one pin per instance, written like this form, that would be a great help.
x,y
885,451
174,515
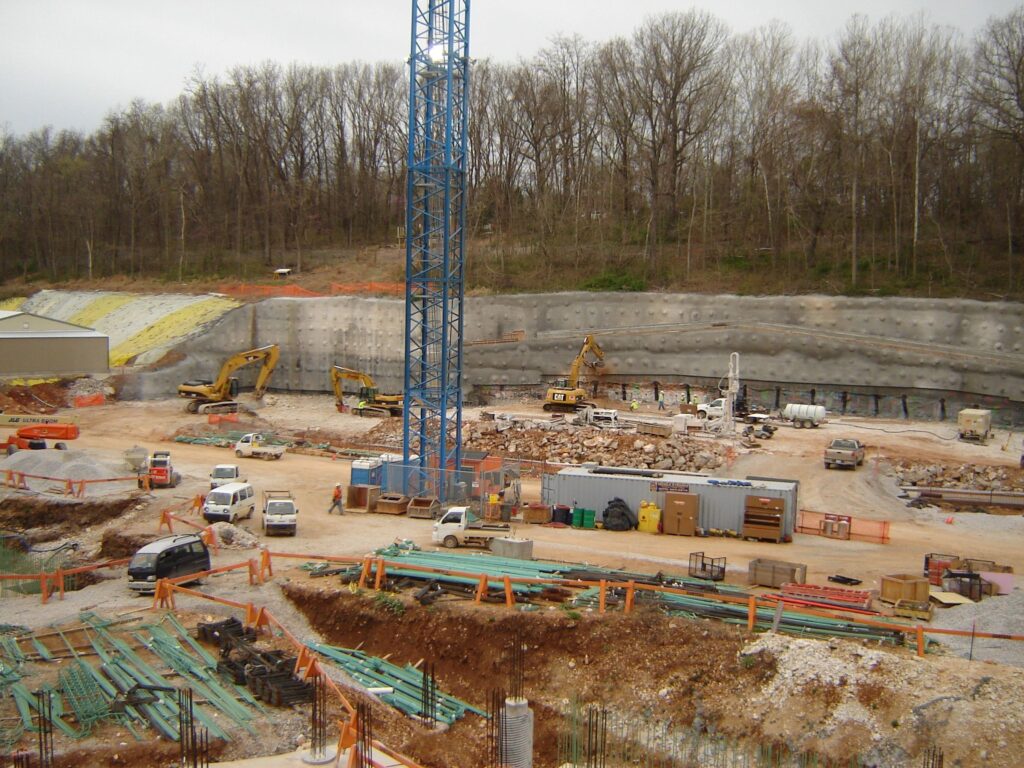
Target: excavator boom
x,y
566,394
374,403
204,394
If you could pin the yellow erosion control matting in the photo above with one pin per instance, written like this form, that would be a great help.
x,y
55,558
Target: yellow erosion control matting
x,y
100,308
13,303
169,327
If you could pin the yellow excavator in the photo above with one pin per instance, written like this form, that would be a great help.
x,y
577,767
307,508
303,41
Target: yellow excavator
x,y
218,396
371,402
565,394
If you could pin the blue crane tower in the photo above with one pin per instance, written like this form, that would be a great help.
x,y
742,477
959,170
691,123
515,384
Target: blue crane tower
x,y
435,241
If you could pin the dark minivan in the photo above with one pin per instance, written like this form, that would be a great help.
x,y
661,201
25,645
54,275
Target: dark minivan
x,y
167,558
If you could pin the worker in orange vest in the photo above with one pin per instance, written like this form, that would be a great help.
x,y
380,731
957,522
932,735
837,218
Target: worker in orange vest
x,y
336,501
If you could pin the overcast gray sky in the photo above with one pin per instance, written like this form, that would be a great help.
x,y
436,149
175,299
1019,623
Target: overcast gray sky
x,y
66,63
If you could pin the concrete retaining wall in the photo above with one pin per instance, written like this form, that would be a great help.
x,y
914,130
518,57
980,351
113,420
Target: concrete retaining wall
x,y
925,347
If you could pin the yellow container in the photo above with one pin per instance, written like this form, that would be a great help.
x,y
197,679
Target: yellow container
x,y
650,517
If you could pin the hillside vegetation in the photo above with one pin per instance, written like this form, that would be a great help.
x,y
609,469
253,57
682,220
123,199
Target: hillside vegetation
x,y
887,160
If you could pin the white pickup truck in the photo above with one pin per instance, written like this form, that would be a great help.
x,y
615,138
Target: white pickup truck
x,y
458,526
252,445
280,515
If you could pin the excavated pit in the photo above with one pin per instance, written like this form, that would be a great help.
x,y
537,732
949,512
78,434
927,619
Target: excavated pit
x,y
685,672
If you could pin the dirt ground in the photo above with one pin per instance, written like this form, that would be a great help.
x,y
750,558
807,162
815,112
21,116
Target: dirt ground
x,y
887,708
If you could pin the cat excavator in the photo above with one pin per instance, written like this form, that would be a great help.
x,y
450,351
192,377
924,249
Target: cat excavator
x,y
371,402
218,396
566,395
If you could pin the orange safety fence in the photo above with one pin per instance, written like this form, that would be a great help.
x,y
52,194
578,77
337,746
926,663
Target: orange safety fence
x,y
84,401
62,486
246,290
842,527
217,418
376,567
307,665
206,532
360,289
53,581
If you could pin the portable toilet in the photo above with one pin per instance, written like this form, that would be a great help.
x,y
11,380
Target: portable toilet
x,y
367,472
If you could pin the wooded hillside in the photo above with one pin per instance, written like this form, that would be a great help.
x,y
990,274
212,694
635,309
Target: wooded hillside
x,y
888,159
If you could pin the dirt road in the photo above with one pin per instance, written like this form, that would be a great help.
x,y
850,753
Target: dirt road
x,y
868,493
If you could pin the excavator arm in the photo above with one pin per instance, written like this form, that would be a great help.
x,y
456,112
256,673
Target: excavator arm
x,y
202,393
374,403
339,374
590,346
565,394
268,354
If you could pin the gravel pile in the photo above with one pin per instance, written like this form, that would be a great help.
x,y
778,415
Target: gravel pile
x,y
1003,614
89,386
59,466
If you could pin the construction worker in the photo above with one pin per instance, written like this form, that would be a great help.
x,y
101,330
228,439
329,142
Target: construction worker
x,y
661,400
361,405
336,501
634,405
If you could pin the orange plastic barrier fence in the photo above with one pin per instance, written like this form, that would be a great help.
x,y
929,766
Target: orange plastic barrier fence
x,y
217,418
84,401
67,487
356,289
842,527
248,290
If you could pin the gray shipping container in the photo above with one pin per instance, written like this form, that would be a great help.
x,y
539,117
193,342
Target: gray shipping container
x,y
722,500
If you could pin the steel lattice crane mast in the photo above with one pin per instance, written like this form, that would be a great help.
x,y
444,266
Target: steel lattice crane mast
x,y
435,238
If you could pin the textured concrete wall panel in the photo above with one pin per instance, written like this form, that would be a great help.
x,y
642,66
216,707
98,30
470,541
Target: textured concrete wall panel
x,y
928,344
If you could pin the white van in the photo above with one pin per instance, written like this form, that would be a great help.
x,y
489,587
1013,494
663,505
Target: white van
x,y
230,502
223,474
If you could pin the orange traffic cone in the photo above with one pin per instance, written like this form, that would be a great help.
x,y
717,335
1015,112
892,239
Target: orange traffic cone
x,y
949,520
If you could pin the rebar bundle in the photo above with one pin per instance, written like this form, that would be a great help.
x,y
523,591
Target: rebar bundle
x,y
364,736
428,696
517,667
194,744
318,724
932,758
44,722
495,703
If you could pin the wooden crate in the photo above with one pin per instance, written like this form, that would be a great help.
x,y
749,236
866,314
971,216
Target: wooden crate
x,y
392,504
775,573
426,507
537,514
361,498
903,586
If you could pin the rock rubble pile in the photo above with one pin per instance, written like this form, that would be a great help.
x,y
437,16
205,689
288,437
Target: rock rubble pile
x,y
569,444
972,476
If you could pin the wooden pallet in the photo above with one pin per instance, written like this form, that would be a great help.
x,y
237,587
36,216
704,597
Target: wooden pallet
x,y
913,609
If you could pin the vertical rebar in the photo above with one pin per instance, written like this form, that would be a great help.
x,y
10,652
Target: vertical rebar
x,y
44,722
318,719
364,736
932,758
22,759
188,752
495,709
428,696
517,667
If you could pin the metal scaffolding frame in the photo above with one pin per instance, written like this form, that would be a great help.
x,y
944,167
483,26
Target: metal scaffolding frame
x,y
435,232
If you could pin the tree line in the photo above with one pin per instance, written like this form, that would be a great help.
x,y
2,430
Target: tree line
x,y
888,158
